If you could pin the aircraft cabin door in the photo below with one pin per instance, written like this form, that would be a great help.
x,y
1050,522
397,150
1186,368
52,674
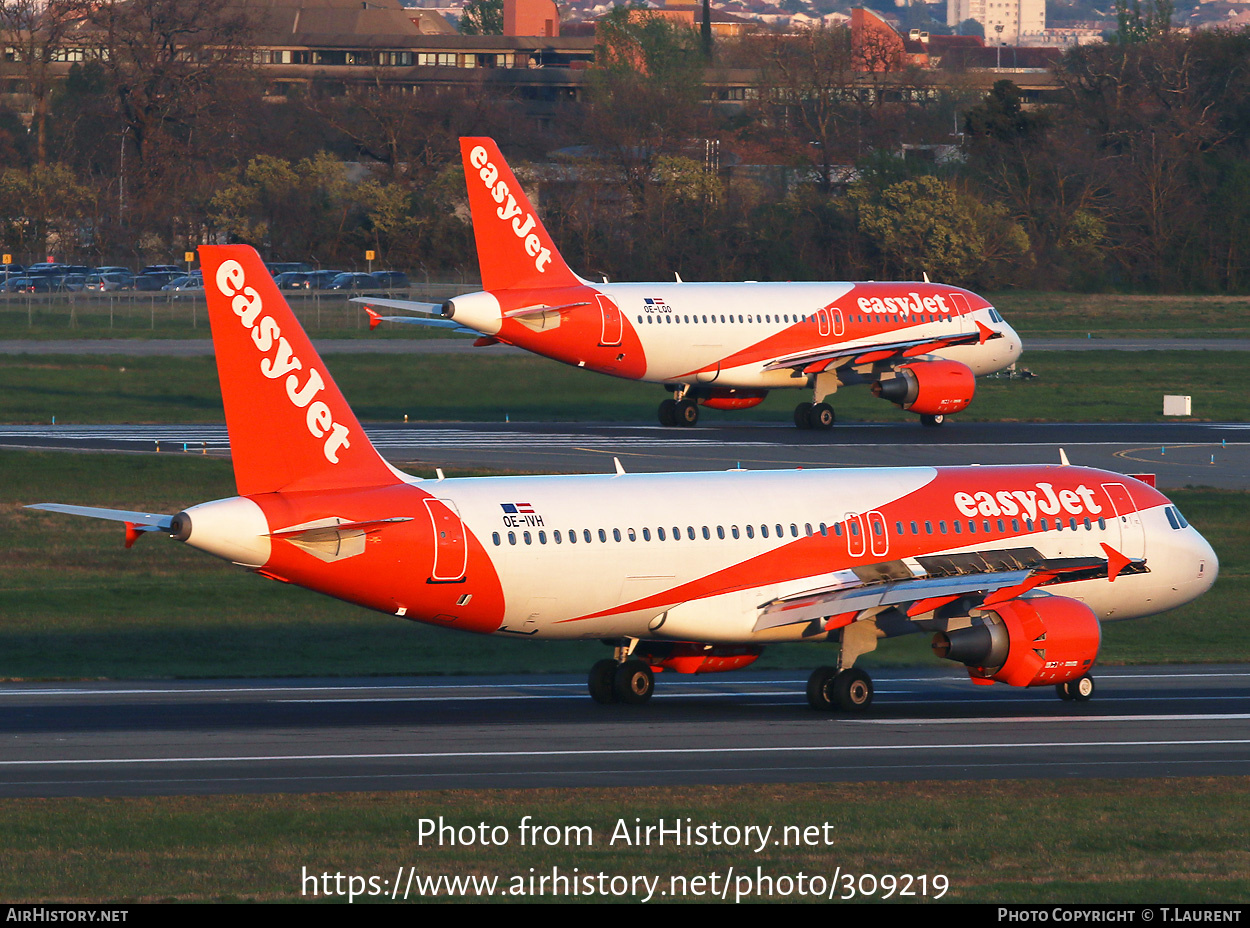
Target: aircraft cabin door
x,y
1132,532
613,326
451,550
856,540
964,319
823,327
879,534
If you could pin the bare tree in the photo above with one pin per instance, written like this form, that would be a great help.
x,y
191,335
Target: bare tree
x,y
38,31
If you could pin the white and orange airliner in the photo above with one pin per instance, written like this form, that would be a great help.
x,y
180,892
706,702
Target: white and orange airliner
x,y
722,345
1010,569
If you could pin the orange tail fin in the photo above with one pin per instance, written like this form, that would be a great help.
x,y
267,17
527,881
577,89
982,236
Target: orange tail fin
x,y
290,427
513,247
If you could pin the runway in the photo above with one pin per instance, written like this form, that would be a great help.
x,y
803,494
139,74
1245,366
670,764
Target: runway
x,y
1178,453
122,739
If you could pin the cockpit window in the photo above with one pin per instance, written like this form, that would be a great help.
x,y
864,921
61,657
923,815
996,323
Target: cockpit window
x,y
1175,519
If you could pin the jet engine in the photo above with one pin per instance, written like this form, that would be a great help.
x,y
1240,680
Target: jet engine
x,y
1026,642
932,388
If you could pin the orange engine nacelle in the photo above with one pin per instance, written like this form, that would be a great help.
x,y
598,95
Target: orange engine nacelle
x,y
1027,642
688,657
730,398
932,388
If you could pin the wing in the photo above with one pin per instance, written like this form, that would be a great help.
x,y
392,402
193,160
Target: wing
x,y
818,359
933,581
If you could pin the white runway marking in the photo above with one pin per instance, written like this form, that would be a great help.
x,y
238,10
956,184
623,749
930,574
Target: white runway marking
x,y
623,752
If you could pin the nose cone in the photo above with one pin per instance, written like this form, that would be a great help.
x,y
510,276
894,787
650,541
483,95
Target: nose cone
x,y
1183,566
1204,565
1011,344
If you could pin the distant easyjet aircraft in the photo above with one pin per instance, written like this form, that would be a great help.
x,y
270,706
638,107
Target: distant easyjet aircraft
x,y
722,345
1010,569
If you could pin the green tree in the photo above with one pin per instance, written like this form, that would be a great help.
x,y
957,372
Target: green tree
x,y
41,208
1135,26
925,225
482,17
645,92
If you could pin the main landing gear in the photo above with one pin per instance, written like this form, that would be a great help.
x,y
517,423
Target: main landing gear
x,y
1078,690
814,416
932,422
629,682
679,412
830,689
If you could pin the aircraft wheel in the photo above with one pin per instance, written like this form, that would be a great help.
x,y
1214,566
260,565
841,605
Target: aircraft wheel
x,y
801,415
668,412
852,690
821,416
1082,688
1063,690
602,676
687,413
932,422
820,689
633,683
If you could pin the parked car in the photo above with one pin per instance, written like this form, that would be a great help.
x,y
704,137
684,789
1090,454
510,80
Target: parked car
x,y
110,282
392,279
286,267
354,282
307,280
164,269
190,282
72,283
38,284
156,280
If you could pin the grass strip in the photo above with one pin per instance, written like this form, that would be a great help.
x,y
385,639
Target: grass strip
x,y
1083,386
1149,841
331,315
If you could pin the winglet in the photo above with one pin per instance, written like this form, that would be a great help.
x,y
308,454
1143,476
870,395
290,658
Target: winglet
x,y
1063,458
1116,561
986,332
619,469
374,319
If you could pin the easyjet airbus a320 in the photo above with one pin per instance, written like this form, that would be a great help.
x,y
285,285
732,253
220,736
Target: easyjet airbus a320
x,y
1010,569
722,345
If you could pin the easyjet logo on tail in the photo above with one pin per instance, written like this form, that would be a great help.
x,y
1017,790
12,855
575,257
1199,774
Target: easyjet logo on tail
x,y
267,337
522,222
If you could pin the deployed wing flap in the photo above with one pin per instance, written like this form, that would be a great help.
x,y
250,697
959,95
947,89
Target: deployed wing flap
x,y
880,351
998,575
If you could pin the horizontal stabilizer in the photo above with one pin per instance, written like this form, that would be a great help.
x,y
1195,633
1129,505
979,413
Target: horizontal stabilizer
x,y
410,306
335,526
143,521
